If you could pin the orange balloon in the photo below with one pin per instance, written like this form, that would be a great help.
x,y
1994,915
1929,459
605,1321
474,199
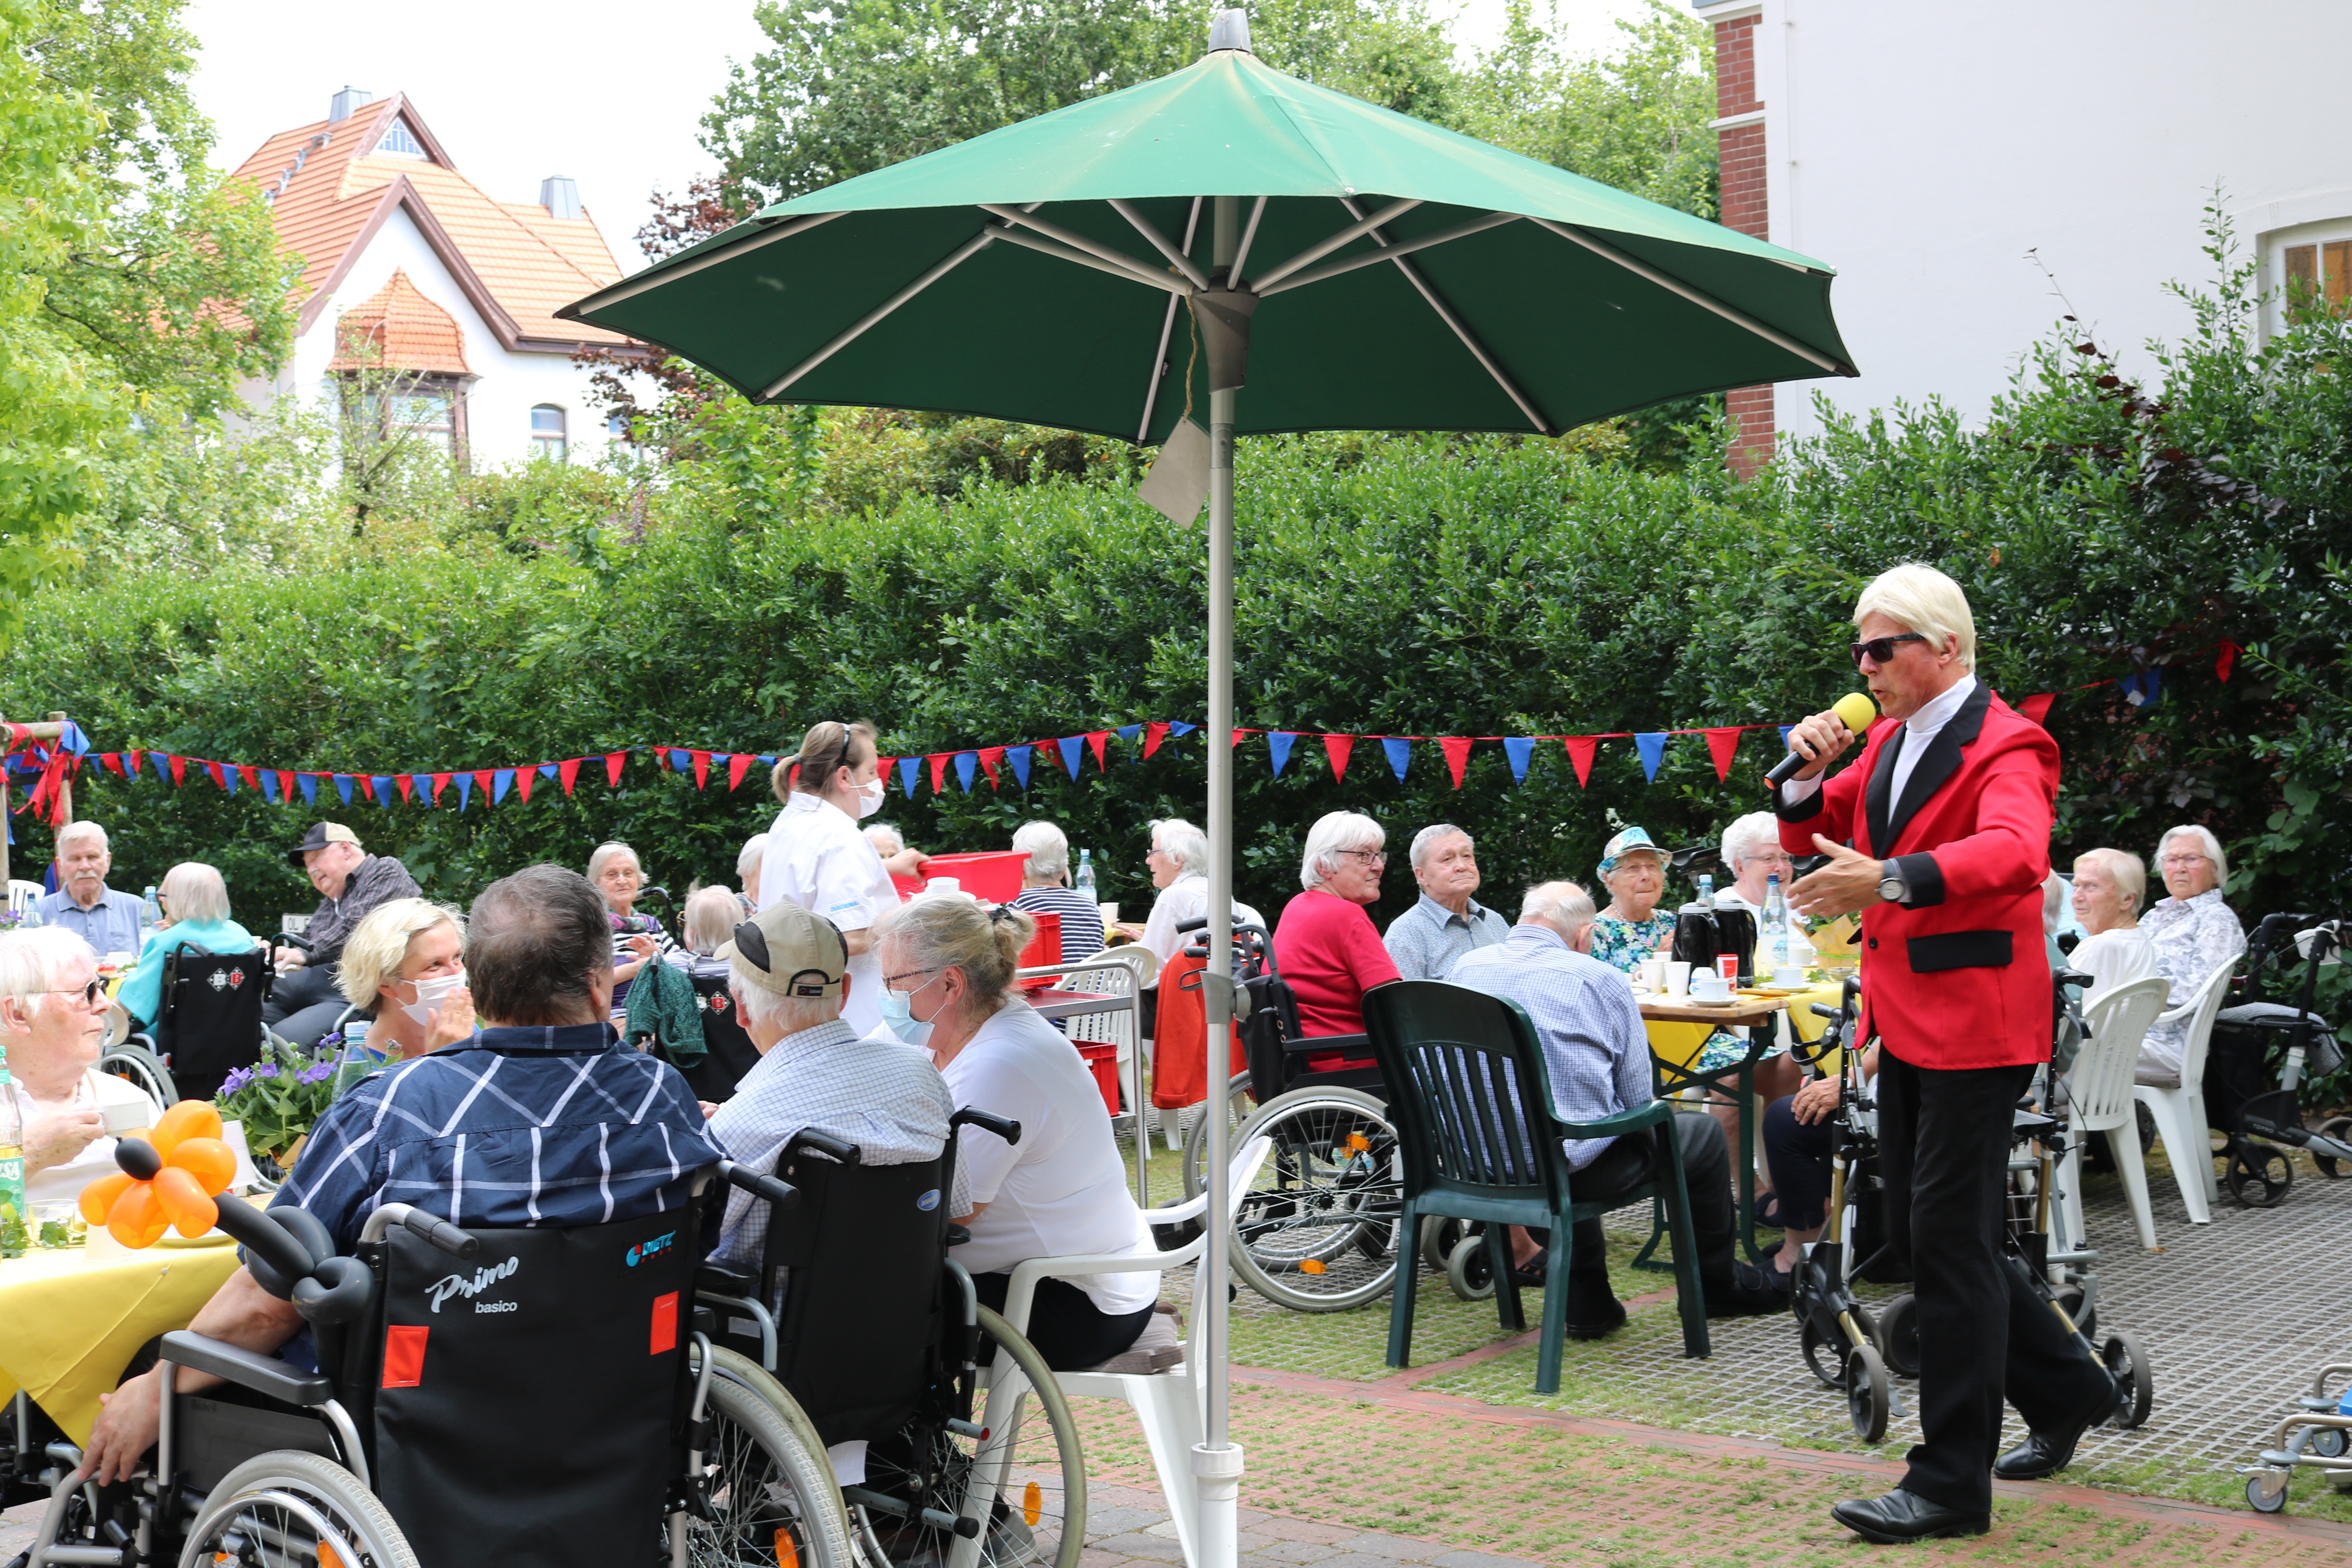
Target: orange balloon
x,y
97,1198
137,1219
189,1119
185,1202
210,1160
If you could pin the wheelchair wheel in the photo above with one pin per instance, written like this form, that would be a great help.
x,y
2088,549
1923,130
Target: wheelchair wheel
x,y
2266,1492
1869,1395
2339,1128
2327,1442
1318,1230
1196,1141
1898,1335
1470,1271
2085,1319
2258,1176
2127,1363
773,1495
143,1067
1022,1477
293,1507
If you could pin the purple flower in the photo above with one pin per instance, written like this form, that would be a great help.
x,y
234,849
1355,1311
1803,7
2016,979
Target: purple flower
x,y
265,1069
318,1074
236,1081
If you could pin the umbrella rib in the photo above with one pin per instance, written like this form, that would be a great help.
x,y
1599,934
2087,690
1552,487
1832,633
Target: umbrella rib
x,y
1323,248
1445,312
955,258
1159,242
1241,257
1167,329
1390,250
1077,241
1057,249
656,277
1698,297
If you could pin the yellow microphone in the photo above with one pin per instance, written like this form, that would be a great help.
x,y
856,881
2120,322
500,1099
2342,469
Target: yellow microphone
x,y
1855,710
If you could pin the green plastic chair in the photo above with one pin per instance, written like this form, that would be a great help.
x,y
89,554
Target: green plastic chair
x,y
1470,1097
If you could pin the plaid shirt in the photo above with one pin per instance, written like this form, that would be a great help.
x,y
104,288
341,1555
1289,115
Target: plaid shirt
x,y
884,1096
378,880
1595,1047
1427,938
554,1126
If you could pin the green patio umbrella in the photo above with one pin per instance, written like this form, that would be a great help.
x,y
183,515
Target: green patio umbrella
x,y
1354,267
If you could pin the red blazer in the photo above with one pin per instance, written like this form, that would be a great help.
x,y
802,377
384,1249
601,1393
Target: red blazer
x,y
1959,976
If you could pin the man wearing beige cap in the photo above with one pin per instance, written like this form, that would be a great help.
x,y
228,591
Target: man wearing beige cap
x,y
303,1002
788,971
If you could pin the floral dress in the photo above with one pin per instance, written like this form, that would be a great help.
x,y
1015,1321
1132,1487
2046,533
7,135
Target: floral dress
x,y
1623,943
2192,938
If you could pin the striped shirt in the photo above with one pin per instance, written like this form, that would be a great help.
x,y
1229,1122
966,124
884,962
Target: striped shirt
x,y
554,1126
1082,926
626,930
1427,938
1595,1048
884,1096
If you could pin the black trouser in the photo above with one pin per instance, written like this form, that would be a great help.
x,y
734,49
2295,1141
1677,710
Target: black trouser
x,y
1625,1165
1068,1330
1944,1141
303,1003
1798,1154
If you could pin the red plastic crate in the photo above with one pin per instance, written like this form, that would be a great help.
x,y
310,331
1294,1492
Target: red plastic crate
x,y
1102,1060
994,874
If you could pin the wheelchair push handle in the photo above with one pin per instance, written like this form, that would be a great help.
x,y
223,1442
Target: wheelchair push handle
x,y
1005,1127
825,1143
441,1233
781,1194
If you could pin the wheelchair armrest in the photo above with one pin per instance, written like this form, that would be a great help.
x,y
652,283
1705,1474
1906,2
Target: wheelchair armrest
x,y
1005,1127
1651,1115
247,1369
723,1279
1326,1044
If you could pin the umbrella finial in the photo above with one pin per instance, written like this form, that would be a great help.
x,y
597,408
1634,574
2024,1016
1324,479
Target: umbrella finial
x,y
1229,30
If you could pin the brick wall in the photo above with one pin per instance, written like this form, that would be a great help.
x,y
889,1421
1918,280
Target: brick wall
x,y
1744,208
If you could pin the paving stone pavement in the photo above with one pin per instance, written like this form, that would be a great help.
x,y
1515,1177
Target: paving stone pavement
x,y
1128,1527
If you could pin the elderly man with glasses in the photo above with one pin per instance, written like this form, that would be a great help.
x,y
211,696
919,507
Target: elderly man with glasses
x,y
52,1027
1446,922
83,903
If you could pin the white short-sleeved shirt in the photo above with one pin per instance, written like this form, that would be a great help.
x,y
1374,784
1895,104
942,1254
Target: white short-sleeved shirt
x,y
2114,957
1059,1193
63,1183
818,859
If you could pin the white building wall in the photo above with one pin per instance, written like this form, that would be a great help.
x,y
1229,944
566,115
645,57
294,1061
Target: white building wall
x,y
1924,151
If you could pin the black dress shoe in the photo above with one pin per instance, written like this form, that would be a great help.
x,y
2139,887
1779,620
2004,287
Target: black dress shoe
x,y
2047,1453
1752,1293
1899,1517
1594,1323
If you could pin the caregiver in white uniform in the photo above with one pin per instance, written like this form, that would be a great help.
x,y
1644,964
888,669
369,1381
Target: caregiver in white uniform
x,y
817,859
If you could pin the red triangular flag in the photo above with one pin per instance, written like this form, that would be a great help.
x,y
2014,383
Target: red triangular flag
x,y
136,758
612,761
485,780
1098,739
2038,707
405,783
1579,751
1337,748
1237,736
286,787
244,771
440,783
939,760
568,771
113,761
989,756
1457,755
367,787
219,776
702,768
179,771
742,760
1724,744
1154,734
2223,663
523,776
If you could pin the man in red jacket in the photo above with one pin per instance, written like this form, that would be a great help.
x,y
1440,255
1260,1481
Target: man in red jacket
x,y
1940,839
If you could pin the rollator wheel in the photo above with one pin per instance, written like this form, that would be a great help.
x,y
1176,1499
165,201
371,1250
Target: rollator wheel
x,y
2339,1128
293,1507
1869,1393
2259,1176
1825,1358
2327,1442
1898,1335
2127,1363
1469,1270
1440,1235
2266,1492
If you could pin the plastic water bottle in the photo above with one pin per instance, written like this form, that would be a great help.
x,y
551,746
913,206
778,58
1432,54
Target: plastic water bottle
x,y
15,1220
1086,877
151,916
1706,889
1775,922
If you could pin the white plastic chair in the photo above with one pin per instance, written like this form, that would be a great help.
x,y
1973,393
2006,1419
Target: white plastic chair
x,y
1168,1403
21,895
2099,1090
2180,1109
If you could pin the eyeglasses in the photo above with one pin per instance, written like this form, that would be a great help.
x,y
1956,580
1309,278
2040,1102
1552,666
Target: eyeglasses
x,y
1370,856
891,981
91,994
1880,649
2185,860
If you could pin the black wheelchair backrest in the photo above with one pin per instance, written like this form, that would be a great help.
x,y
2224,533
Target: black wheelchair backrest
x,y
210,1016
731,1051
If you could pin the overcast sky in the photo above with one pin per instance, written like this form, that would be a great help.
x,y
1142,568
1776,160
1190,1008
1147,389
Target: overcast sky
x,y
607,92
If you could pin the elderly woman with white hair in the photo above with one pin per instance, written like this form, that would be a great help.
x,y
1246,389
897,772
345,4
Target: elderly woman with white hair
x,y
2109,887
710,916
1632,927
2191,932
1045,890
195,902
747,870
1326,946
637,938
405,964
1179,864
52,1027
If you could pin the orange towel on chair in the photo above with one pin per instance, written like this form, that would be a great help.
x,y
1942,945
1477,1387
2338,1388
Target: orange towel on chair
x,y
1180,1039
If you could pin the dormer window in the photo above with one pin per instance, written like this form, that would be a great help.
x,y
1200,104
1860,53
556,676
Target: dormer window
x,y
399,141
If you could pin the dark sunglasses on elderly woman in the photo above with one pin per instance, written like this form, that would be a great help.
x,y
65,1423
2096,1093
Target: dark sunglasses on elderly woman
x,y
91,994
1880,649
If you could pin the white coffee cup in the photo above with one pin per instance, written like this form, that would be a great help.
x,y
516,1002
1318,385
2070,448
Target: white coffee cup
x,y
122,1116
944,885
1678,976
1706,986
1109,914
1790,974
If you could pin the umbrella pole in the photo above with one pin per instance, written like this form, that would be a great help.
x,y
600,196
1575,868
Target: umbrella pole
x,y
1217,1462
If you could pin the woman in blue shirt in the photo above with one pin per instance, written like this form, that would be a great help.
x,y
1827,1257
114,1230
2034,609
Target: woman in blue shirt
x,y
196,912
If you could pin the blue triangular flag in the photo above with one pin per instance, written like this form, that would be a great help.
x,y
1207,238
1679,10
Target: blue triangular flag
x,y
1070,745
229,777
464,782
343,782
1278,741
547,770
680,761
162,765
383,783
1129,732
309,783
1784,735
908,768
501,782
270,785
1652,746
73,740
967,763
1178,727
1518,748
1017,759
1399,753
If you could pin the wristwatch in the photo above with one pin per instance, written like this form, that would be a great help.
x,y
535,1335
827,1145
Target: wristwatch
x,y
1891,886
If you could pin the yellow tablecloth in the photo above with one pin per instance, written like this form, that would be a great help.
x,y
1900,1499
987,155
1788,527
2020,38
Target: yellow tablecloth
x,y
68,1322
1679,1043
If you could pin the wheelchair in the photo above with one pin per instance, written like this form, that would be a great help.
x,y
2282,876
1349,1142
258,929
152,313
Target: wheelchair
x,y
1318,1232
970,1453
208,1022
435,1346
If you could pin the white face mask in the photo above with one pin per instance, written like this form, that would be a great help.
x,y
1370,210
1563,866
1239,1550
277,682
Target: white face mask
x,y
869,798
430,993
899,1012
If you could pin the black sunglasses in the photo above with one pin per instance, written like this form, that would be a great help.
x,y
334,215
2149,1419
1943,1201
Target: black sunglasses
x,y
1880,649
752,943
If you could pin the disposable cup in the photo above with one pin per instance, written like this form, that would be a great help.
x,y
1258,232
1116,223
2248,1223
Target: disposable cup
x,y
1678,976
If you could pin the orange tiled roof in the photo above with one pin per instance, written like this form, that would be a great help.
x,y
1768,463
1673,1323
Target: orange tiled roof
x,y
400,330
517,271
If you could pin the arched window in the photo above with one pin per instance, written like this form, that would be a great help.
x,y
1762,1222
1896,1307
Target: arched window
x,y
547,432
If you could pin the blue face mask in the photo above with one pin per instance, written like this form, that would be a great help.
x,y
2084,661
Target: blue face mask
x,y
899,1012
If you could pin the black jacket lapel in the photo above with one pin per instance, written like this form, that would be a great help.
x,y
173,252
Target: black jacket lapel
x,y
1875,800
1938,763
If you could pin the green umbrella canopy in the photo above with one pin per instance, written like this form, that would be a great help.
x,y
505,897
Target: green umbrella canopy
x,y
1035,273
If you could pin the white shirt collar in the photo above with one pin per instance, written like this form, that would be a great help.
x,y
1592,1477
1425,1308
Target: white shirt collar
x,y
1936,712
